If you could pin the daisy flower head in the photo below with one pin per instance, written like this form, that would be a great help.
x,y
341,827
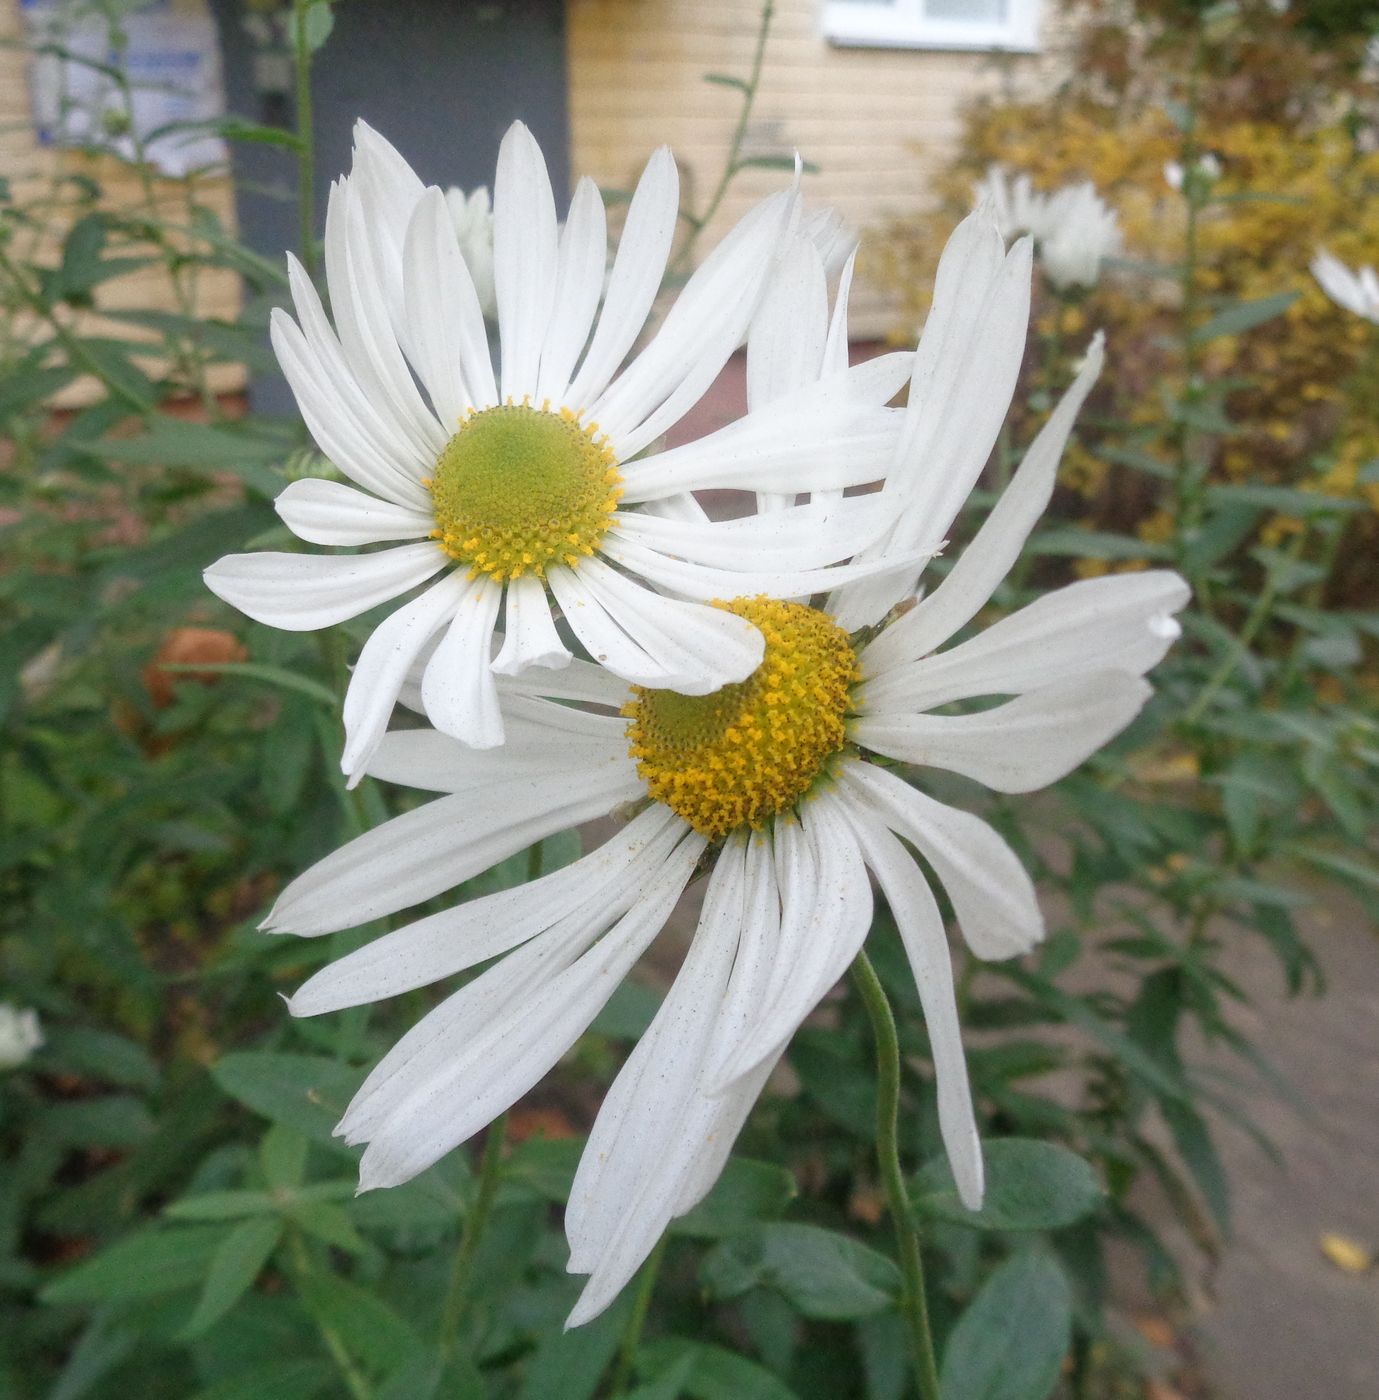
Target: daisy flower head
x,y
784,788
1356,291
532,485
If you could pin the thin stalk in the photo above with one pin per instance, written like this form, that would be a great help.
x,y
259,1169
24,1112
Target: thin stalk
x,y
698,223
636,1322
458,1294
306,140
914,1306
353,1378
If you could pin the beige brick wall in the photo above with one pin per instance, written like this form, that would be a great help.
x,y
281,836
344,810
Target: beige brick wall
x,y
31,170
875,121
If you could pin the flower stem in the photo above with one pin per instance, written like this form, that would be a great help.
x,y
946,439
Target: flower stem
x,y
632,1333
458,1294
306,138
914,1306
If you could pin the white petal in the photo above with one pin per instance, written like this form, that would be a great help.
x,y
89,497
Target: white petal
x,y
965,371
450,345
683,507
637,273
383,665
794,537
327,512
835,356
706,324
785,346
830,436
580,680
443,944
1020,746
698,581
917,918
1118,623
995,547
539,734
993,896
644,1108
524,258
818,939
693,649
365,327
496,1067
583,261
340,419
436,847
390,190
457,689
530,637
302,592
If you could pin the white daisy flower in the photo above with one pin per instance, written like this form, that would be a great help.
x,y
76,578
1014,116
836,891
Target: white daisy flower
x,y
1354,291
774,787
20,1034
1074,228
472,215
534,484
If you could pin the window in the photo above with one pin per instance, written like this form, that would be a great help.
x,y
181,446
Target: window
x,y
934,24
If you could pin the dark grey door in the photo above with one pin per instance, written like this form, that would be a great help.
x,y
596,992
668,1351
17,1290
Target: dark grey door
x,y
441,79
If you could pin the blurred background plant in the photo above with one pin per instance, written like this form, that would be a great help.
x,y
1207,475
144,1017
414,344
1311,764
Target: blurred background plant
x,y
175,1218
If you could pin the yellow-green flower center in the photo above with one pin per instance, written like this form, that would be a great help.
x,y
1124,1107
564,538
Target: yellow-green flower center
x,y
518,489
749,751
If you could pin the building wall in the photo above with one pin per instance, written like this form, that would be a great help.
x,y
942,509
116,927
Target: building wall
x,y
31,170
876,122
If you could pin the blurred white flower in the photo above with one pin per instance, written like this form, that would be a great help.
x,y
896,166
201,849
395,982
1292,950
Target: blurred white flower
x,y
532,486
1012,203
1355,291
1073,229
1207,167
20,1034
472,215
784,789
1078,231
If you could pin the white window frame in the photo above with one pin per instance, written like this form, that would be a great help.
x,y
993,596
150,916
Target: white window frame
x,y
903,24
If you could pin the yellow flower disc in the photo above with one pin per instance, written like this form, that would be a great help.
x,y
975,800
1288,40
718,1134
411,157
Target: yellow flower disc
x,y
749,751
520,488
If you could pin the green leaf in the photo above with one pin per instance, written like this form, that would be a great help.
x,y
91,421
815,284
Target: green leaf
x,y
146,1264
282,1155
716,1373
234,1267
1285,499
628,1012
175,442
822,1273
296,1379
329,1223
1010,1342
1030,1185
270,675
221,1205
1095,544
317,24
371,1330
1244,316
307,1092
100,1055
746,1192
118,1120
727,80
569,1365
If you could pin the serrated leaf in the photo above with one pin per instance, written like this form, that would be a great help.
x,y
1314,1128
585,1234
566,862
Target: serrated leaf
x,y
1030,1185
235,1265
1010,1342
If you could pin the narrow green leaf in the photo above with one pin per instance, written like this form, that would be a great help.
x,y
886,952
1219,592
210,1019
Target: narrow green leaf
x,y
1010,1343
257,671
727,80
146,1264
1244,316
234,1267
307,1092
282,1155
221,1205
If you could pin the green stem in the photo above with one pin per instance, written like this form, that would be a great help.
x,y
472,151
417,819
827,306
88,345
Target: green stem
x,y
632,1333
354,1380
914,1305
306,152
731,166
458,1294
